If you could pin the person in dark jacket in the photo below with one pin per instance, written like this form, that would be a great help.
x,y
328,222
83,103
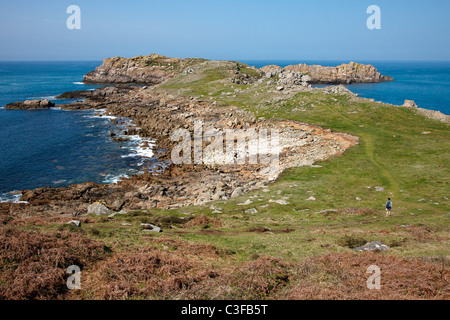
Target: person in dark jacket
x,y
388,207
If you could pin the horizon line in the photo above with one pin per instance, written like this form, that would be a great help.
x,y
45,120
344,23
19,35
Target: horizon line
x,y
232,59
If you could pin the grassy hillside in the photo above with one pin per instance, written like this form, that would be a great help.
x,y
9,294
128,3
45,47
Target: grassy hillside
x,y
394,153
270,247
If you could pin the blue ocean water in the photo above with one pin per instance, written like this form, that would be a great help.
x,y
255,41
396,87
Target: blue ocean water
x,y
55,147
58,148
427,83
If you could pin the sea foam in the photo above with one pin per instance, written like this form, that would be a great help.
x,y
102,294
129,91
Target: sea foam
x,y
13,196
110,178
138,148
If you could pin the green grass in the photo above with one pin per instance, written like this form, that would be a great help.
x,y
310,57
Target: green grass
x,y
392,153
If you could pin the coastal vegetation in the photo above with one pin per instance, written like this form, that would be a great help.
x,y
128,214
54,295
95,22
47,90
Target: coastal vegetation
x,y
293,238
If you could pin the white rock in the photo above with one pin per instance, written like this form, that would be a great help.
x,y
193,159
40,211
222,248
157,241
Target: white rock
x,y
245,203
410,104
203,198
282,202
372,246
326,211
150,227
237,192
98,209
76,223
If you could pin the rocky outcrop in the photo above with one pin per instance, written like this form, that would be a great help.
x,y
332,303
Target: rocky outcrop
x,y
117,91
339,89
31,104
343,74
152,69
410,104
98,209
372,246
75,95
286,78
432,114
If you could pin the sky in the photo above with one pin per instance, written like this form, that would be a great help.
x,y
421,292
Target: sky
x,y
231,30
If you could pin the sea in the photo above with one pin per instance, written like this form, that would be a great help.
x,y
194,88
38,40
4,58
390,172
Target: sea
x,y
58,148
55,147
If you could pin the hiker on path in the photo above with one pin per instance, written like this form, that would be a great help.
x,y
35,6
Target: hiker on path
x,y
388,207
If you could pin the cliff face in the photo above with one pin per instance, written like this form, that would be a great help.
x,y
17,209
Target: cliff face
x,y
152,69
343,74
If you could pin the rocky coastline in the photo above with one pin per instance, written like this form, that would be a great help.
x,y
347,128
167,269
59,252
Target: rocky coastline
x,y
156,113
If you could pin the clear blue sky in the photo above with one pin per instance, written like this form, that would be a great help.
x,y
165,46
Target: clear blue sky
x,y
232,29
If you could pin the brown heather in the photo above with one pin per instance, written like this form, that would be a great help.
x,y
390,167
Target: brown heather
x,y
33,265
343,276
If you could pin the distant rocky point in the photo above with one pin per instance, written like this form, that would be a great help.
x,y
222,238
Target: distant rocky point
x,y
31,104
154,69
344,74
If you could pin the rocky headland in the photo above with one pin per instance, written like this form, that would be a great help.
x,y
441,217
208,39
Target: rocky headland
x,y
157,112
155,69
152,69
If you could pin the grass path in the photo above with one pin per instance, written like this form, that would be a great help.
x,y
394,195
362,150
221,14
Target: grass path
x,y
369,151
